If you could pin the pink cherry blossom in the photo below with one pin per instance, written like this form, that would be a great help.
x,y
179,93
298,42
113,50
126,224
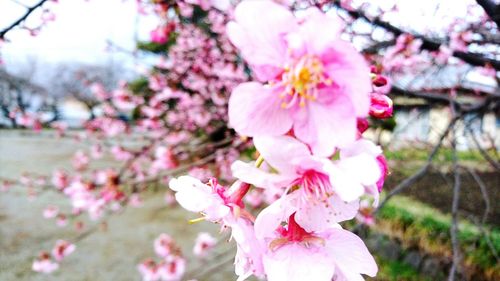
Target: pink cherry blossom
x,y
248,259
148,270
80,160
215,202
61,220
292,253
322,192
164,245
172,268
62,249
164,159
50,212
195,196
44,264
159,35
316,84
381,106
60,179
384,169
204,244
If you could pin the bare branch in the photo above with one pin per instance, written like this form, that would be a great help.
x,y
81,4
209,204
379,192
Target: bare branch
x,y
454,210
491,9
22,18
485,154
421,172
427,43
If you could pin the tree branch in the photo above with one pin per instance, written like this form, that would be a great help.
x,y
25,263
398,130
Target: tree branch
x,y
454,210
421,172
491,9
22,18
427,43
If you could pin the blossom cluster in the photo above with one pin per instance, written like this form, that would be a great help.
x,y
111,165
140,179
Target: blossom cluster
x,y
306,113
47,263
172,265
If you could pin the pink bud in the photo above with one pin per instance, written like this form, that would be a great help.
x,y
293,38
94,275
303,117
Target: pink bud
x,y
381,106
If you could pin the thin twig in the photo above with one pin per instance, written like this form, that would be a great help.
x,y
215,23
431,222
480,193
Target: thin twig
x,y
485,154
482,222
22,18
454,210
421,172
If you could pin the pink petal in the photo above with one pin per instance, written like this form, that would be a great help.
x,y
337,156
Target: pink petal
x,y
361,146
350,254
319,30
348,69
261,41
255,110
362,167
318,216
345,184
271,217
247,172
295,262
195,196
282,153
326,126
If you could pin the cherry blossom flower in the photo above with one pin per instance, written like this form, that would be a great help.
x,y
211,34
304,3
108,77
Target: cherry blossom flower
x,y
80,160
50,212
381,106
148,270
212,200
60,179
159,35
44,264
249,251
164,159
62,249
292,253
322,192
172,268
204,244
61,220
224,206
317,84
164,245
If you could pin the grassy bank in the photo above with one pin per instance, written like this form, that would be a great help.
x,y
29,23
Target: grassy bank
x,y
419,226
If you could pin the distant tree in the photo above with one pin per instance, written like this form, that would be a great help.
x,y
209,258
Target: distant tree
x,y
75,80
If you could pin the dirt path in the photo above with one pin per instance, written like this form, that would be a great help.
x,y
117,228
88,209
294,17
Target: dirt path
x,y
110,254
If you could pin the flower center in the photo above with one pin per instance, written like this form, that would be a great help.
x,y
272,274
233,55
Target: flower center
x,y
301,80
294,233
314,185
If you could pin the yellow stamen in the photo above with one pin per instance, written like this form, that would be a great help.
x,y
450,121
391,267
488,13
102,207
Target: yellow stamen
x,y
259,161
193,221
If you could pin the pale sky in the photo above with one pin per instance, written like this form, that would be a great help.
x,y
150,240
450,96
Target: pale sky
x,y
79,32
82,27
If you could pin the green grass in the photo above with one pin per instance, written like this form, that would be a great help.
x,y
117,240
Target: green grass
x,y
397,271
443,155
430,229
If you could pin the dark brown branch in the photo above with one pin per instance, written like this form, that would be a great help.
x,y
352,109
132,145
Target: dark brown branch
x,y
421,172
491,9
373,49
454,210
445,99
427,43
22,18
485,154
482,222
